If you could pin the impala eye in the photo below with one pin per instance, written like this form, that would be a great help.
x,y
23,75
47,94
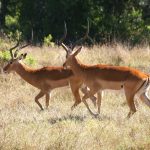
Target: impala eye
x,y
10,62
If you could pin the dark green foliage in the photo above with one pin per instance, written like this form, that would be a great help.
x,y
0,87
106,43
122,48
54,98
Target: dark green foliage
x,y
124,21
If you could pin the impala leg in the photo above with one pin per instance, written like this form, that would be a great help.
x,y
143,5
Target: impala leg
x,y
87,95
99,97
145,99
48,95
93,98
130,102
75,90
37,99
131,105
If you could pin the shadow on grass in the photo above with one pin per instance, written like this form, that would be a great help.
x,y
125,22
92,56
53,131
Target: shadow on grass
x,y
76,118
67,118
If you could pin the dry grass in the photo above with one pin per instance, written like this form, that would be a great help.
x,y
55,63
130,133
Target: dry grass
x,y
24,126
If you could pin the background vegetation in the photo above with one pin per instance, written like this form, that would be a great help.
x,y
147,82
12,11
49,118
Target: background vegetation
x,y
120,20
24,127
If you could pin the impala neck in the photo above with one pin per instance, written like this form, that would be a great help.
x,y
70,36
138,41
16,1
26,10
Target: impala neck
x,y
25,72
77,67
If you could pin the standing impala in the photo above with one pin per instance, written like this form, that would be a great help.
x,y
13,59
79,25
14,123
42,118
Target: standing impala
x,y
100,77
68,51
46,78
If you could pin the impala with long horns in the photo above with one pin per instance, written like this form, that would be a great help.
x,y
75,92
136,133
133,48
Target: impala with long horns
x,y
68,50
46,79
100,77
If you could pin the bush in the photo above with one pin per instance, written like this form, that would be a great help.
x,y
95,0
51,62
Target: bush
x,y
30,60
48,41
5,56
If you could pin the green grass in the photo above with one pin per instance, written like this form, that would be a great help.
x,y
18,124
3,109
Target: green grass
x,y
24,126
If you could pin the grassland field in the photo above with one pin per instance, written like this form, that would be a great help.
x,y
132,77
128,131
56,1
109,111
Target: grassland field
x,y
24,127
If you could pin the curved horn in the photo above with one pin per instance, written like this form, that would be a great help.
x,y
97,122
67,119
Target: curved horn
x,y
65,34
66,48
17,44
86,36
16,52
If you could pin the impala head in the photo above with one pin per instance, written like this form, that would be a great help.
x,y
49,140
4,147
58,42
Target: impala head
x,y
70,53
70,58
13,63
15,58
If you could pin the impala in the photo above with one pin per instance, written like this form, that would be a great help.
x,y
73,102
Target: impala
x,y
68,51
46,79
100,77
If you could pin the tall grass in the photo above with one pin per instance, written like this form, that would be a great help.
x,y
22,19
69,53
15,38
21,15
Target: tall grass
x,y
24,126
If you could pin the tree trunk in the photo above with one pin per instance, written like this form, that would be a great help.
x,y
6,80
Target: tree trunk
x,y
3,12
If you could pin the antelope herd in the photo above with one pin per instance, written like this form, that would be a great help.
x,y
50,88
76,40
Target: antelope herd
x,y
95,78
46,79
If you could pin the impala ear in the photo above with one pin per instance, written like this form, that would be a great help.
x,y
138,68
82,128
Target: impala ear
x,y
22,56
77,51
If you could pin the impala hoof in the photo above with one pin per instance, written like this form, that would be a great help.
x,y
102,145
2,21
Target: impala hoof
x,y
96,115
73,107
42,109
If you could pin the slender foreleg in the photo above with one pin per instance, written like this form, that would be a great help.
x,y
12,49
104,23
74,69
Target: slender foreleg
x,y
41,94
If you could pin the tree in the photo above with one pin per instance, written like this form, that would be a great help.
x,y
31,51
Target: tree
x,y
3,12
125,21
